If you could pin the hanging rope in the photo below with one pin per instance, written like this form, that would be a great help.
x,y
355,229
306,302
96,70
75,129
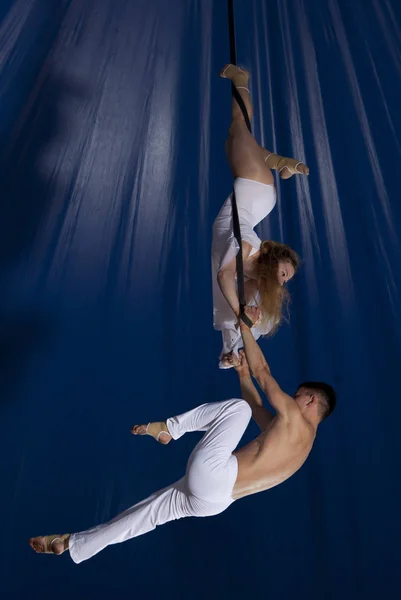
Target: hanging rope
x,y
236,225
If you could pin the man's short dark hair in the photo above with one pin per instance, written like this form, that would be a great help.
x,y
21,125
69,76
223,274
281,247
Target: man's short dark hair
x,y
326,393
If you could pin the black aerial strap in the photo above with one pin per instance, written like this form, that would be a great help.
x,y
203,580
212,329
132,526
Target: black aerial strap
x,y
236,226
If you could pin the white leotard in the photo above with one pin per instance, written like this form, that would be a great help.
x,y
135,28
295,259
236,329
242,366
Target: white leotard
x,y
255,201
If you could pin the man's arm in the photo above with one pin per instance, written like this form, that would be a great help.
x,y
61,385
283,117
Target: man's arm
x,y
254,354
282,402
250,394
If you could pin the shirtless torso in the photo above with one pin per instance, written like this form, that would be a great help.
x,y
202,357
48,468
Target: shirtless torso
x,y
286,439
275,455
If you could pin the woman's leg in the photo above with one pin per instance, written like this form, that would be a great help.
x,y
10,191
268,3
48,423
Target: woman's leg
x,y
246,158
244,154
286,167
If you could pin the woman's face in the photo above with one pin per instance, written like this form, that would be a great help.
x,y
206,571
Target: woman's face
x,y
285,271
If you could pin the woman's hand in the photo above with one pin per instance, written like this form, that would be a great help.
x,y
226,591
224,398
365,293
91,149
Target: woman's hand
x,y
239,362
254,314
230,360
242,366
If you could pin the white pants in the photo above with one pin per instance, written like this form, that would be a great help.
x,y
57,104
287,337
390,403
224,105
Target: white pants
x,y
205,490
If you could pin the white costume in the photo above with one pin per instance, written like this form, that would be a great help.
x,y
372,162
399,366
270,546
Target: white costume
x,y
255,201
205,490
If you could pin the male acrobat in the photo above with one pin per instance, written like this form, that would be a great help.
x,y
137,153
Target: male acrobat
x,y
217,474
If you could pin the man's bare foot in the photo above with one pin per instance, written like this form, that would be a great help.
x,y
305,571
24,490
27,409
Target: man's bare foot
x,y
157,430
230,360
50,544
238,76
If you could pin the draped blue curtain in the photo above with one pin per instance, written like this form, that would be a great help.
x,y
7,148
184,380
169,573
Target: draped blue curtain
x,y
112,129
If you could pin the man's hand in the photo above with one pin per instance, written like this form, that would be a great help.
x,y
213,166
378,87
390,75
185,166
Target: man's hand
x,y
283,403
250,394
253,353
242,366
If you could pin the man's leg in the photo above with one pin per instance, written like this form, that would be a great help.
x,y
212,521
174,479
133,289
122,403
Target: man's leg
x,y
204,491
224,424
165,505
207,417
200,418
212,467
246,158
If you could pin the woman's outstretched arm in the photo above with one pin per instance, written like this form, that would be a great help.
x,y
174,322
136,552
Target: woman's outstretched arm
x,y
227,282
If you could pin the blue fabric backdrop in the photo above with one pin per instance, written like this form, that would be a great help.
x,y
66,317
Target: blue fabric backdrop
x,y
112,129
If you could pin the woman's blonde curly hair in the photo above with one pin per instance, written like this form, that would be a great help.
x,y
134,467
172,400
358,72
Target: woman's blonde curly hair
x,y
274,298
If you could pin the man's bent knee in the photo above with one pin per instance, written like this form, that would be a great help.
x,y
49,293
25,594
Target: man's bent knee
x,y
242,405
